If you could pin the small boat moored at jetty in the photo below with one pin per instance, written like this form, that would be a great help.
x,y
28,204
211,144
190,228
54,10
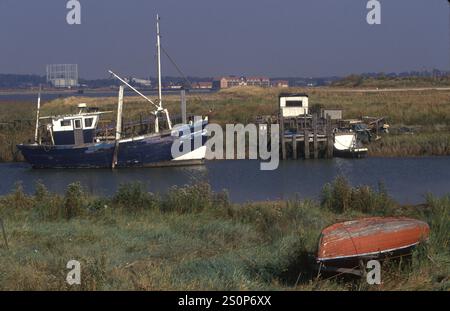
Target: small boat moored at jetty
x,y
76,141
346,144
370,237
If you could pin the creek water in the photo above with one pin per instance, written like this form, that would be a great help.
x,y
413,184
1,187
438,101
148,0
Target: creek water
x,y
407,180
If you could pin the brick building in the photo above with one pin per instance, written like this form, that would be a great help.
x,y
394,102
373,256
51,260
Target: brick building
x,y
233,81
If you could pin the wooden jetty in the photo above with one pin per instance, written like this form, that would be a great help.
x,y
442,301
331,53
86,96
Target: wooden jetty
x,y
302,134
315,133
306,136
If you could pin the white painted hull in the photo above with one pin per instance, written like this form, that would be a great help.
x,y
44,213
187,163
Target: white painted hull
x,y
345,144
197,154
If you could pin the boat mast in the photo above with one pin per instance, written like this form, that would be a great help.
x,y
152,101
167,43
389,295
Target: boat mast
x,y
158,46
118,126
36,131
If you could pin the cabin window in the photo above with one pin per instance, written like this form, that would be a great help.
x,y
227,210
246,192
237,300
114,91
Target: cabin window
x,y
88,122
66,123
77,124
294,103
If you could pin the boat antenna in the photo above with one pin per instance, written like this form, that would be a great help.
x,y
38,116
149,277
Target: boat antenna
x,y
36,131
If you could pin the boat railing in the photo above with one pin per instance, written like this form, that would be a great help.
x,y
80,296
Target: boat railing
x,y
106,128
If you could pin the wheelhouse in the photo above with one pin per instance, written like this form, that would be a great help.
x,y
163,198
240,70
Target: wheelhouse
x,y
76,129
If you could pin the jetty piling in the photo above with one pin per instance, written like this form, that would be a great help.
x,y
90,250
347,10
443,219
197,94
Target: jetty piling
x,y
118,126
183,107
305,136
329,135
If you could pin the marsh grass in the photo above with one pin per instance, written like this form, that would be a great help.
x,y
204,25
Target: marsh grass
x,y
424,143
340,197
193,238
383,81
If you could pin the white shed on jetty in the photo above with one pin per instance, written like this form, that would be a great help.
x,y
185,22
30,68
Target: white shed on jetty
x,y
293,105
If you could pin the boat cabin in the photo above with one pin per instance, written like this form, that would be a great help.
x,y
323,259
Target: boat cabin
x,y
75,129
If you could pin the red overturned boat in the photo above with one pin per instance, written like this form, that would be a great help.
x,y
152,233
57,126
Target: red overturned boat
x,y
371,237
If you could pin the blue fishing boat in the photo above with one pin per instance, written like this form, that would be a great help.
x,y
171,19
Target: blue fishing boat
x,y
77,141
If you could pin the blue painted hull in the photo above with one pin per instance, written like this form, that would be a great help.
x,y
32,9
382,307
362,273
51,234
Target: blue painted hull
x,y
150,150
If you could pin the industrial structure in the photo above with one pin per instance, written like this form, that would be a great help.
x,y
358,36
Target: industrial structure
x,y
62,75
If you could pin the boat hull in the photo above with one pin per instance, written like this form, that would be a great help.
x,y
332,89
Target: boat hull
x,y
353,153
144,151
370,237
346,146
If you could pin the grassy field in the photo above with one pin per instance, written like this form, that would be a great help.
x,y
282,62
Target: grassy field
x,y
386,81
194,239
424,113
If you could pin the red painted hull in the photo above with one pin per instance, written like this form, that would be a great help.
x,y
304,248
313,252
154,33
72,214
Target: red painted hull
x,y
370,237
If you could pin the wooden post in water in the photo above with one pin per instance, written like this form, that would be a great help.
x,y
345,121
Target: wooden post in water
x,y
183,107
304,118
307,154
294,146
118,126
315,142
36,130
330,141
283,144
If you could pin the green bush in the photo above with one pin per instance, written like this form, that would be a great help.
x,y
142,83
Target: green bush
x,y
133,197
337,195
97,205
74,201
19,199
340,197
438,217
188,199
46,206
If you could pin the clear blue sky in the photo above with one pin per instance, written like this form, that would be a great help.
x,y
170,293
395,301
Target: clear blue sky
x,y
210,38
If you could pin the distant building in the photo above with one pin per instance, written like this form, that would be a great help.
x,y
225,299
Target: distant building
x,y
202,85
62,75
232,81
280,83
258,81
227,82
